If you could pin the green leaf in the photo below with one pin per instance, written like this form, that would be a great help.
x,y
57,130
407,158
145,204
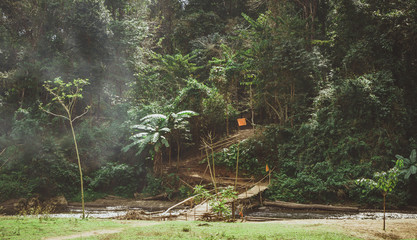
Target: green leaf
x,y
153,117
165,130
155,137
187,113
139,135
413,156
165,142
413,169
143,127
407,175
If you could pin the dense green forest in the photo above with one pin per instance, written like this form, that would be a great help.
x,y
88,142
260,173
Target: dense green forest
x,y
330,86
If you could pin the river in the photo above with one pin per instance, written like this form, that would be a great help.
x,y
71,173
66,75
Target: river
x,y
264,212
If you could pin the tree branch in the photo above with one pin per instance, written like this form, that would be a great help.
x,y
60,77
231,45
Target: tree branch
x,y
275,110
84,113
73,101
54,114
3,151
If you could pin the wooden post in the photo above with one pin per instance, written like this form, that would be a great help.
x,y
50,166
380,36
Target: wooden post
x,y
233,210
383,228
260,196
269,173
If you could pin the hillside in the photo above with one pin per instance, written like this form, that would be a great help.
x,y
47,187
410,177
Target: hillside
x,y
102,97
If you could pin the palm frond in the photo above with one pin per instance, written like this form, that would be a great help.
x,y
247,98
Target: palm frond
x,y
165,142
165,129
187,113
126,148
139,135
155,137
153,117
142,143
143,127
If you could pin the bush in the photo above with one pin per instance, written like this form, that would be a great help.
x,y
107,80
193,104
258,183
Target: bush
x,y
116,178
248,161
356,127
46,172
89,196
165,184
320,183
99,143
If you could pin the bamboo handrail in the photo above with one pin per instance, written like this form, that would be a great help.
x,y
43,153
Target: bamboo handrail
x,y
192,197
219,143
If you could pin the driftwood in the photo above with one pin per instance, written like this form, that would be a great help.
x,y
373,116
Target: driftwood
x,y
157,197
142,215
299,206
260,219
178,204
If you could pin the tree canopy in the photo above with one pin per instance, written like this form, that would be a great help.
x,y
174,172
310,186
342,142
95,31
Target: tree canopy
x,y
330,85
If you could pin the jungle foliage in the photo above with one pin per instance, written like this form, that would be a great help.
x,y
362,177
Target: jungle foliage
x,y
329,85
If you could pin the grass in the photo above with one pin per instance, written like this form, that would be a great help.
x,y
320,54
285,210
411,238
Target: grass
x,y
229,231
38,228
34,228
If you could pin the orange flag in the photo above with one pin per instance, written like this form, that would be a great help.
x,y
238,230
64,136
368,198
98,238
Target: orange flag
x,y
267,168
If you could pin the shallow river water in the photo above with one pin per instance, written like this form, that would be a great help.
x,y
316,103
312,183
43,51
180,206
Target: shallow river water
x,y
329,215
111,212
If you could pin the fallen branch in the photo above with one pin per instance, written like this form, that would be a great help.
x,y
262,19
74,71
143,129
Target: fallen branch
x,y
157,197
310,206
180,203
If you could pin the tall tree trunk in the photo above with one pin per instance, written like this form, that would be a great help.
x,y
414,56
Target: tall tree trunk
x,y
384,194
178,154
157,162
169,155
79,165
251,106
227,113
22,98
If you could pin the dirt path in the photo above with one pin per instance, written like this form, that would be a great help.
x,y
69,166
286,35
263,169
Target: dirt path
x,y
365,229
103,231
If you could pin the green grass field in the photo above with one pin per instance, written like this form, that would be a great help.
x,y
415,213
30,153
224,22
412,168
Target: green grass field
x,y
199,230
34,228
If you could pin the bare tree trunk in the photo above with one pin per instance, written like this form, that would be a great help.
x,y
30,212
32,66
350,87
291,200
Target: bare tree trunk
x,y
206,146
292,102
157,162
227,114
79,166
169,155
384,194
279,115
178,154
214,165
22,98
251,106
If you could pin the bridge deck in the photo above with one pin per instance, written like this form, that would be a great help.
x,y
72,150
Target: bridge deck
x,y
199,210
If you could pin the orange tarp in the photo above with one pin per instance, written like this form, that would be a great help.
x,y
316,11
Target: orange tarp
x,y
241,121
